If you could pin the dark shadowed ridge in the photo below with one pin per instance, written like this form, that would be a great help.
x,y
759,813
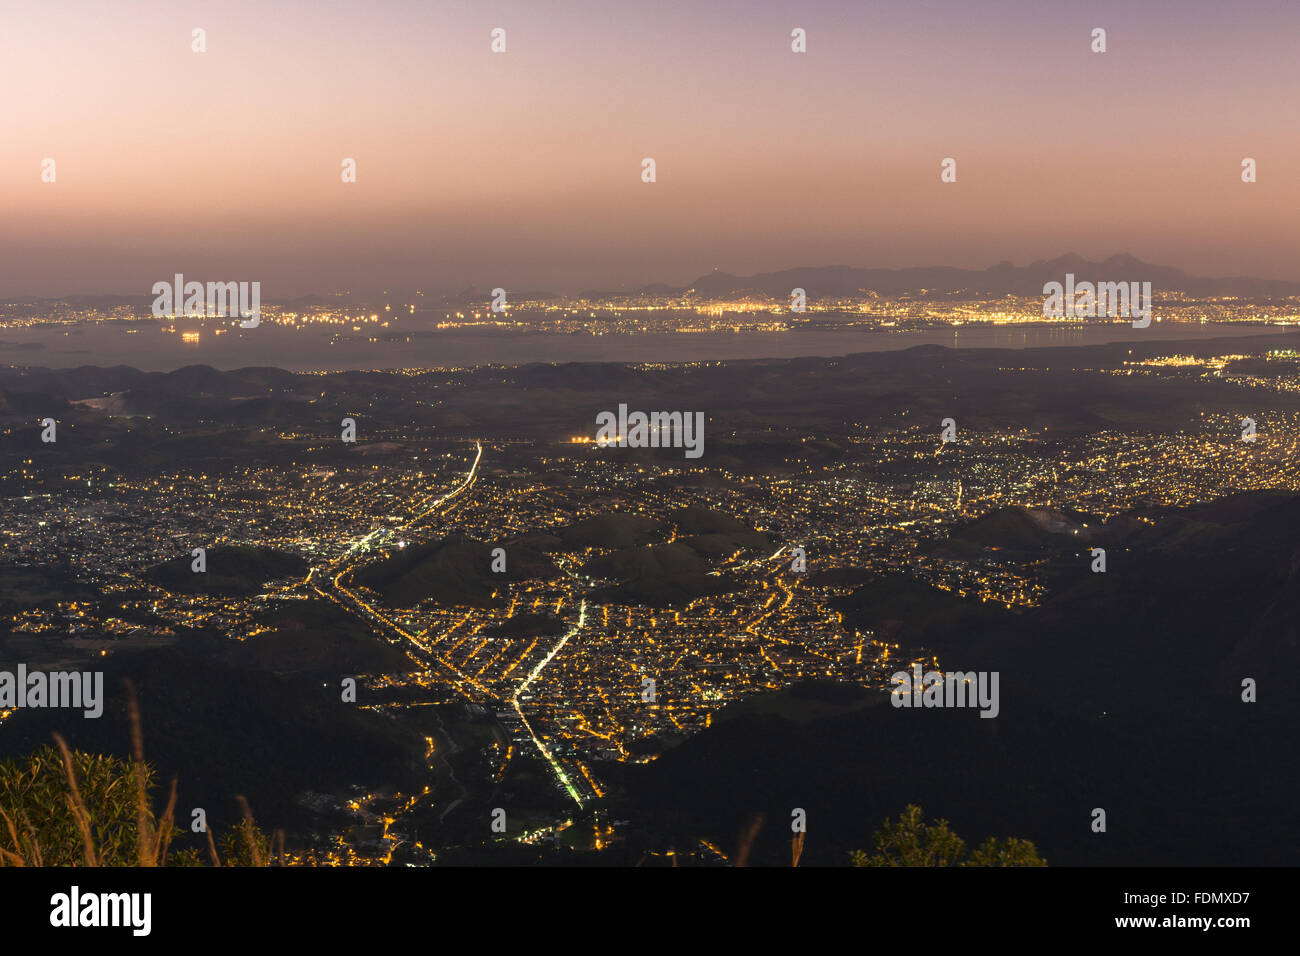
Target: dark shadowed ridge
x,y
1121,691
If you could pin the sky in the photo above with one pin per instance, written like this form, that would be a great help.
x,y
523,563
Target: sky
x,y
523,169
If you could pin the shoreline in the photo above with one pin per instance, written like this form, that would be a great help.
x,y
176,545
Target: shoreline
x,y
101,345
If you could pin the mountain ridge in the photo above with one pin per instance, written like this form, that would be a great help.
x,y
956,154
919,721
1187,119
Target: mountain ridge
x,y
838,279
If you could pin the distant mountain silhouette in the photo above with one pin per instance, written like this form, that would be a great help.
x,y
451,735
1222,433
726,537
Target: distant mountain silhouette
x,y
1004,278
201,380
195,381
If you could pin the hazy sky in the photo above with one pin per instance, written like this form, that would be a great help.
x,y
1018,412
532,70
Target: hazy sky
x,y
523,169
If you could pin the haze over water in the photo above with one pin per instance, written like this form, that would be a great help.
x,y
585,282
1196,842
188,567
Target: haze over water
x,y
150,349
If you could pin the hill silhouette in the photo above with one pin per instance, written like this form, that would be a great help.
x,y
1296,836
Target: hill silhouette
x,y
232,571
668,573
455,570
900,608
1025,529
610,530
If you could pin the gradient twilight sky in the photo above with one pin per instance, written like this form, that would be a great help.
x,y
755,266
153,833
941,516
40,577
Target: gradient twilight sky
x,y
523,170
